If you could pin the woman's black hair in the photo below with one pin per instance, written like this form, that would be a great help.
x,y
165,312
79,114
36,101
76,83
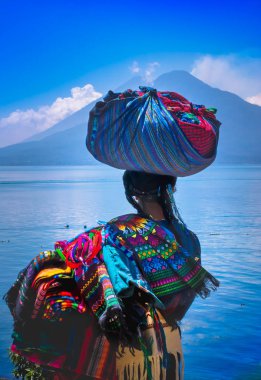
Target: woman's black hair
x,y
154,187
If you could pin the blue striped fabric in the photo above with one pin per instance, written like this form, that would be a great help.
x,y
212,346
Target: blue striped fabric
x,y
138,132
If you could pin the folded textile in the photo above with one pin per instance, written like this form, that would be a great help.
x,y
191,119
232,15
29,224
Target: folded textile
x,y
167,267
154,132
130,256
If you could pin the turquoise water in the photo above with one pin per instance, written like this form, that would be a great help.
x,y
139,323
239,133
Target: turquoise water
x,y
221,335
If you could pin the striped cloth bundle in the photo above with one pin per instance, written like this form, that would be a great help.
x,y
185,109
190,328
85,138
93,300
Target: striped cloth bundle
x,y
153,132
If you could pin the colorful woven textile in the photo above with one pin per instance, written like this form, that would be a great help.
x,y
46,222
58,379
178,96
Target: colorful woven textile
x,y
67,302
22,297
130,252
90,274
76,346
155,132
167,267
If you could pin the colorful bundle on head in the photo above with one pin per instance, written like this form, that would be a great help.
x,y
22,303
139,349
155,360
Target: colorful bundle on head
x,y
154,132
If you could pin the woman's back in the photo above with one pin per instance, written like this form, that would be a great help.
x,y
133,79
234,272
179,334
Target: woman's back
x,y
112,297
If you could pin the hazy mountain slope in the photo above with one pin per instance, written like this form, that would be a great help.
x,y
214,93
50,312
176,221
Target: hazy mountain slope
x,y
73,120
80,117
63,148
239,132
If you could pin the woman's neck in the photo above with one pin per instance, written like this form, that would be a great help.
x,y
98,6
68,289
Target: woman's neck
x,y
152,209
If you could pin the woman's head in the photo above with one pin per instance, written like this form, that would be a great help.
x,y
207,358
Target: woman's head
x,y
141,188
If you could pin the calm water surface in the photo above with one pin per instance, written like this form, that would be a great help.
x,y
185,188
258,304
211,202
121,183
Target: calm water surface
x,y
221,335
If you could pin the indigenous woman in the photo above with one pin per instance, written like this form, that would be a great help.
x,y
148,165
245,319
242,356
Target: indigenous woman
x,y
106,305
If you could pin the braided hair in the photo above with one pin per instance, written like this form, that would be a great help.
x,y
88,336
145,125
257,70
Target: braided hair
x,y
152,187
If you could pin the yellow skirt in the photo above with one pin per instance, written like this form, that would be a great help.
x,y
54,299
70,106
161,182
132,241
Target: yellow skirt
x,y
162,362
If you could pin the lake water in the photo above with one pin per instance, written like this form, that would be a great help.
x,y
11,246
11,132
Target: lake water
x,y
221,335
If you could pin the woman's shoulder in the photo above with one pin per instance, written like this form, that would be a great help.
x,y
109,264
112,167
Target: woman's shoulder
x,y
126,218
135,222
129,224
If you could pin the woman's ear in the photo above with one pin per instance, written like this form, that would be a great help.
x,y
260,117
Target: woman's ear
x,y
137,199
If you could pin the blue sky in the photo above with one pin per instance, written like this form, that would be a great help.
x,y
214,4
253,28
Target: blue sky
x,y
49,47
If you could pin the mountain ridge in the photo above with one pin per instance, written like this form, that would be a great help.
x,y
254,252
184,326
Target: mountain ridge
x,y
238,142
77,117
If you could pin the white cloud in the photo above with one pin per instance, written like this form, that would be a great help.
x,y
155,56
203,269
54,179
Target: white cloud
x,y
230,74
38,120
256,99
135,68
150,71
147,72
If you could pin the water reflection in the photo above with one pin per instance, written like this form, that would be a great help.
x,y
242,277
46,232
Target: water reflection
x,y
221,204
